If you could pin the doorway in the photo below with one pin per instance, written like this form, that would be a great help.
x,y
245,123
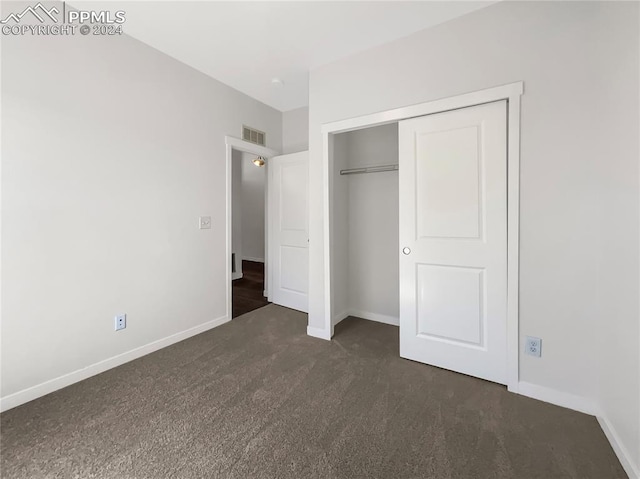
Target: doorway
x,y
510,180
365,225
246,226
248,255
248,291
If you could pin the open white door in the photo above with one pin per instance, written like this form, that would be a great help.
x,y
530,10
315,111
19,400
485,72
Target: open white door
x,y
453,240
288,227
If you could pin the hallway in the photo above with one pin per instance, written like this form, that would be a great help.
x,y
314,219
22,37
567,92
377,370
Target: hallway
x,y
248,291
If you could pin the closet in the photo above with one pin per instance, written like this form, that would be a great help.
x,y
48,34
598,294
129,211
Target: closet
x,y
418,235
365,281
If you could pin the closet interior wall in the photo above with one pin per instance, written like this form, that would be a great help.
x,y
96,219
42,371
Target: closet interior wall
x,y
365,215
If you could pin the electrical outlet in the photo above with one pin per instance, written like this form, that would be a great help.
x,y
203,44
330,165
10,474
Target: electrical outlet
x,y
204,223
533,346
121,321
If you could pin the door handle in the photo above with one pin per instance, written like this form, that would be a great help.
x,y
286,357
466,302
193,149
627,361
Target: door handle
x,y
406,250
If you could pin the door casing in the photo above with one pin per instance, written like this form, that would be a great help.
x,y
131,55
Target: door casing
x,y
511,93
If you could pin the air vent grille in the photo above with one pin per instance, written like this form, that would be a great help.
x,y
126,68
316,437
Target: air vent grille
x,y
254,136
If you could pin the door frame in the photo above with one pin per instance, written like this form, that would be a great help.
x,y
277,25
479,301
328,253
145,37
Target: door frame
x,y
511,93
233,143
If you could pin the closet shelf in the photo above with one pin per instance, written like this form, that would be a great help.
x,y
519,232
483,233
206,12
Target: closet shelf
x,y
369,169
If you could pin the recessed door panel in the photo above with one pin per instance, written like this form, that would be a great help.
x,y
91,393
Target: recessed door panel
x,y
448,183
292,192
294,269
450,304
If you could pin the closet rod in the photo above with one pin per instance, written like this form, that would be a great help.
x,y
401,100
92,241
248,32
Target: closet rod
x,y
369,169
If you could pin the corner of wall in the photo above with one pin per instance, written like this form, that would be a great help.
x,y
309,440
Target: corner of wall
x,y
295,130
628,462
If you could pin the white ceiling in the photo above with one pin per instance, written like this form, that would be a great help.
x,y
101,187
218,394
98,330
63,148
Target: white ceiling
x,y
247,44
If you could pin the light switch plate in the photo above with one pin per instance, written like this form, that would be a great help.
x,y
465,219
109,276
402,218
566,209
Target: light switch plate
x,y
205,223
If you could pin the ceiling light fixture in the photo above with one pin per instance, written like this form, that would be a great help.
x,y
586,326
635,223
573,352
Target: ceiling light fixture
x,y
277,82
259,161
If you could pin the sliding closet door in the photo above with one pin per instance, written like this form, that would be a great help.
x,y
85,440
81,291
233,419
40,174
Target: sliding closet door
x,y
288,227
453,240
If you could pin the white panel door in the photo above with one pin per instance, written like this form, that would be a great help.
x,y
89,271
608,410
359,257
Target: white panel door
x,y
453,240
288,226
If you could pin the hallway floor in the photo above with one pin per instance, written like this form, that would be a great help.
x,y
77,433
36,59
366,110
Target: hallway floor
x,y
247,292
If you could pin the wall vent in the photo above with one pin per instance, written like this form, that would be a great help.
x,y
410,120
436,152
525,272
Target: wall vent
x,y
254,136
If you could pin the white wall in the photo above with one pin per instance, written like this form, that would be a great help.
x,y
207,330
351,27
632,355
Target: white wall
x,y
373,261
340,234
295,130
561,51
110,152
618,326
253,209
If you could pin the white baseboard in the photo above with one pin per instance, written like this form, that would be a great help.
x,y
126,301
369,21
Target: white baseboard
x,y
559,398
379,318
587,406
341,316
34,392
627,461
358,313
251,258
319,333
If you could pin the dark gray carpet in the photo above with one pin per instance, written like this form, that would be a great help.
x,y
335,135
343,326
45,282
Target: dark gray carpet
x,y
257,398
